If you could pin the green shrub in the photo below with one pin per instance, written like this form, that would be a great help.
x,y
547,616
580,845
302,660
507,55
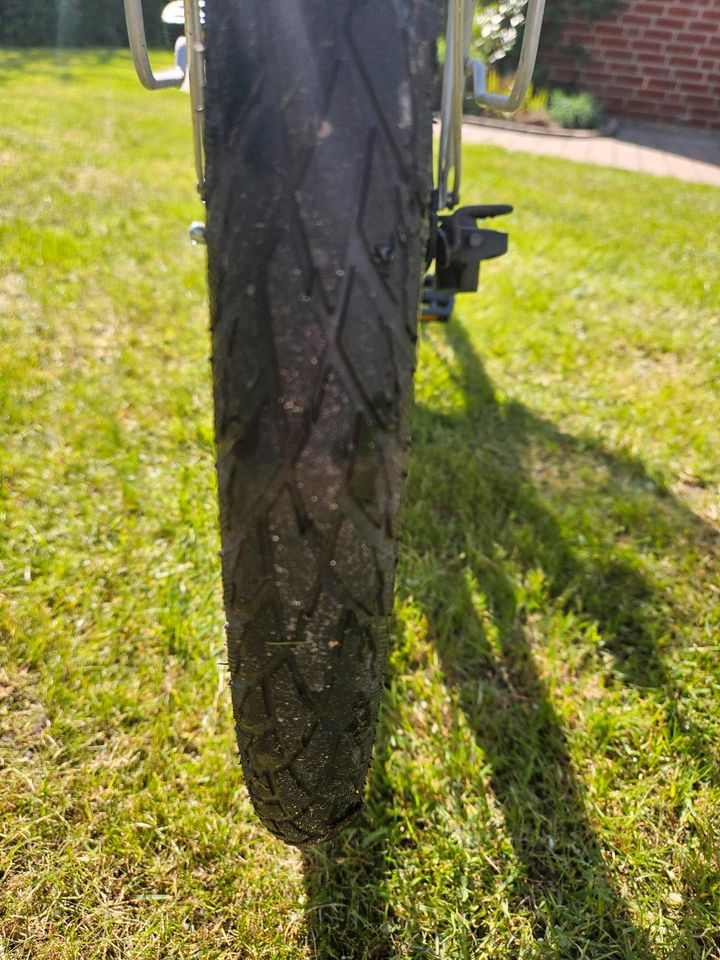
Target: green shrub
x,y
574,111
536,101
557,13
496,28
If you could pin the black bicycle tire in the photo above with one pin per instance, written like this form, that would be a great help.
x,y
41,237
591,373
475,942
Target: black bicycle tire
x,y
318,144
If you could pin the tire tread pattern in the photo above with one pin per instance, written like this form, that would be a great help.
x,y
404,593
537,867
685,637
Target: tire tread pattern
x,y
318,141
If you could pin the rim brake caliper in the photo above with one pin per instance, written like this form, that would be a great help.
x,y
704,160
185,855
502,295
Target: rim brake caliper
x,y
457,247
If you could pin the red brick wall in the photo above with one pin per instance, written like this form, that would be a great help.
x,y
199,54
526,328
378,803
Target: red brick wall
x,y
655,59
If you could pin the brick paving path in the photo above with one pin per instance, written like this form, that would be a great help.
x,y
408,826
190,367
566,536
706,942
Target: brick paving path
x,y
685,154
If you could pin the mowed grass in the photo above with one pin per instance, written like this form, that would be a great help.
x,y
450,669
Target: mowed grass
x,y
547,779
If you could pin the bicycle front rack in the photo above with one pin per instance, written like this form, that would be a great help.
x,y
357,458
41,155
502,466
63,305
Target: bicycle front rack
x,y
457,67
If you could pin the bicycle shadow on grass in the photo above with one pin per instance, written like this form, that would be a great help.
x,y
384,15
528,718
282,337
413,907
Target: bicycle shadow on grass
x,y
510,516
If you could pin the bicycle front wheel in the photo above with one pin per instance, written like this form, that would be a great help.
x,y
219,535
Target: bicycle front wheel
x,y
318,143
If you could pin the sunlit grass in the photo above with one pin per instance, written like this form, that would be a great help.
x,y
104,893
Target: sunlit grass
x,y
546,782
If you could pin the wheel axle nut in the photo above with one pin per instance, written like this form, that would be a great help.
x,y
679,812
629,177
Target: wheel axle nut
x,y
197,232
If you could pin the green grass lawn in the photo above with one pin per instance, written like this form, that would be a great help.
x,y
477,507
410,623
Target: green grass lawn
x,y
547,777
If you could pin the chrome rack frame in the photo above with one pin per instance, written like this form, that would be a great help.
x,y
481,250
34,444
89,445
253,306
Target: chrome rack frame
x,y
456,69
193,75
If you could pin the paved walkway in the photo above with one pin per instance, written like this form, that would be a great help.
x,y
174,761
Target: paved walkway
x,y
669,152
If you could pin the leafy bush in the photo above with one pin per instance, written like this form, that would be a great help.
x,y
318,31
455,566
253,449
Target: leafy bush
x,y
495,29
499,26
558,12
574,111
72,23
536,101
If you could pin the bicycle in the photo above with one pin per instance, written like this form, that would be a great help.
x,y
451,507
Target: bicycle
x,y
313,150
